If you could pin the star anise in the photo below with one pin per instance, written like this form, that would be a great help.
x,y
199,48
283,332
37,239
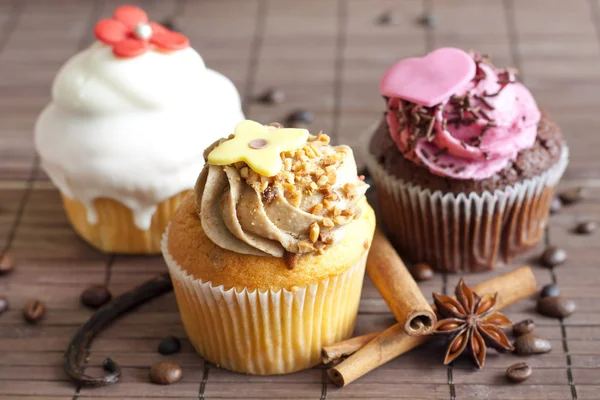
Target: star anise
x,y
471,322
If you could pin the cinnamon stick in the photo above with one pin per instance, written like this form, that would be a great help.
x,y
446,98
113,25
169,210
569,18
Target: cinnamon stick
x,y
398,288
345,348
511,287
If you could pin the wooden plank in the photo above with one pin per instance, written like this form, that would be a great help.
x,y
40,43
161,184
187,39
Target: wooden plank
x,y
509,392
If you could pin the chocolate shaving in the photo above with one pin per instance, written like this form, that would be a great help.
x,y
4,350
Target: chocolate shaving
x,y
425,154
459,170
463,144
484,101
490,124
485,115
429,134
441,152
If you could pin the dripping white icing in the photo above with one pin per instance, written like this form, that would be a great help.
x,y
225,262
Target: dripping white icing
x,y
133,130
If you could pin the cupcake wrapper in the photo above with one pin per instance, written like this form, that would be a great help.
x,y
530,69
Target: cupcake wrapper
x,y
467,232
115,230
266,332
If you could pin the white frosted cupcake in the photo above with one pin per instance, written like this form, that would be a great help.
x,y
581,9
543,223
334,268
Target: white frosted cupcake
x,y
124,133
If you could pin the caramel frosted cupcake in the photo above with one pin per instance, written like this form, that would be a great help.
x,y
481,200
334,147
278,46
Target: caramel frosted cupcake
x,y
464,161
267,258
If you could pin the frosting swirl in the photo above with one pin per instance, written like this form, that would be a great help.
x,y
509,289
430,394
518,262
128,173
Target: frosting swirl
x,y
475,132
302,209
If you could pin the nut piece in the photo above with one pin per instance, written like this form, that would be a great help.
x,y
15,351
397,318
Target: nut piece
x,y
317,208
305,247
314,232
328,223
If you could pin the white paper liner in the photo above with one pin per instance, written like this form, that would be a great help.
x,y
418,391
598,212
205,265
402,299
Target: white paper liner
x,y
265,332
468,232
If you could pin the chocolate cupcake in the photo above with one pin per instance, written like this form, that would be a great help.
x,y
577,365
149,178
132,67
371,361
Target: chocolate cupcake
x,y
464,161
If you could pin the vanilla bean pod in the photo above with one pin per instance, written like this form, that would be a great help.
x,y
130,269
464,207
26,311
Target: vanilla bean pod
x,y
77,352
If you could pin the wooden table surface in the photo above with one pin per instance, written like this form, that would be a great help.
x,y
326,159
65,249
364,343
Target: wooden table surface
x,y
327,56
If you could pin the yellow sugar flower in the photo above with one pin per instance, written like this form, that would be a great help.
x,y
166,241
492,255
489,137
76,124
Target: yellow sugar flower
x,y
258,146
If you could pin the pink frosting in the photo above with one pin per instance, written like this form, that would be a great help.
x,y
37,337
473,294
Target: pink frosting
x,y
463,152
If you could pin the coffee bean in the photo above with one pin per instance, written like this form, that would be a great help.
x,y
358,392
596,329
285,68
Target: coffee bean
x,y
422,272
272,96
300,118
3,304
555,205
388,17
429,20
95,296
34,311
586,227
556,306
518,372
573,195
165,373
553,256
550,290
7,262
169,345
524,327
173,24
531,344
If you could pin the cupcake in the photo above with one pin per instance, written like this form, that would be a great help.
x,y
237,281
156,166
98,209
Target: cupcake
x,y
464,161
267,257
123,135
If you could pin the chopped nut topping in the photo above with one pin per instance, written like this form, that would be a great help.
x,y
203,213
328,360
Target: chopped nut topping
x,y
350,190
347,212
325,189
314,232
332,196
322,180
328,223
305,247
244,172
317,209
341,220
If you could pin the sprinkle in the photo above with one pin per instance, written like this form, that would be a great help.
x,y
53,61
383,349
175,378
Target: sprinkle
x,y
425,154
487,126
430,129
485,115
459,170
441,152
463,144
486,155
484,101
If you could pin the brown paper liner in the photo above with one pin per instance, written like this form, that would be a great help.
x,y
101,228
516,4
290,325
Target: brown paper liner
x,y
115,231
465,232
266,332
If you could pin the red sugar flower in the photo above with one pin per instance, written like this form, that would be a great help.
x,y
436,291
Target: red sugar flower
x,y
130,33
